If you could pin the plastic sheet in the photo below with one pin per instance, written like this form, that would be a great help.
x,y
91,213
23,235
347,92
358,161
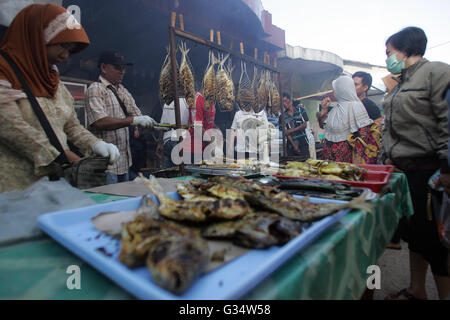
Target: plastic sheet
x,y
19,210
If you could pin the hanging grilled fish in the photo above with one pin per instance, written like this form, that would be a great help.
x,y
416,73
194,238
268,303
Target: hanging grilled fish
x,y
276,99
166,81
225,86
262,92
187,77
245,96
209,87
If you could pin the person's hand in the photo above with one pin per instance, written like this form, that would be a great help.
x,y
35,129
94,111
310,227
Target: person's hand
x,y
104,149
136,133
444,181
159,150
73,158
389,162
325,104
144,121
296,149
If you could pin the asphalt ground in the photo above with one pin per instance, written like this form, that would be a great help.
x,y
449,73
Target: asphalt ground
x,y
394,265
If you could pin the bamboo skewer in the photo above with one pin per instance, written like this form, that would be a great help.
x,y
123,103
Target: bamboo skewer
x,y
318,94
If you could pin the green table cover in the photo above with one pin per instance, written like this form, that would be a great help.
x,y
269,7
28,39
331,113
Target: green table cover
x,y
332,267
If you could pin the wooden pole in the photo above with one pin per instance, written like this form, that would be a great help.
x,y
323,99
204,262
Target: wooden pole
x,y
219,39
173,20
173,62
181,22
211,44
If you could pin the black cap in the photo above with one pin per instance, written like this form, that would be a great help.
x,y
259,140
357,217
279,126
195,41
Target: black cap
x,y
113,57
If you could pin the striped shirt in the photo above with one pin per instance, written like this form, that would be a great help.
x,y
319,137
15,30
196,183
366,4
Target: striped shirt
x,y
296,120
102,103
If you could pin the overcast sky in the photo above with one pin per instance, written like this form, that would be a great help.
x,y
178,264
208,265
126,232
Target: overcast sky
x,y
357,30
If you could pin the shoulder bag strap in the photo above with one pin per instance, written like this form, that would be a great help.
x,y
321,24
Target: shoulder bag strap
x,y
37,109
122,105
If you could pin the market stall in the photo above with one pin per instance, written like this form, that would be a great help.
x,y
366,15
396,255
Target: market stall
x,y
334,266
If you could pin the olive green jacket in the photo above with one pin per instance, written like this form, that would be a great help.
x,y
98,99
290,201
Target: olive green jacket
x,y
416,114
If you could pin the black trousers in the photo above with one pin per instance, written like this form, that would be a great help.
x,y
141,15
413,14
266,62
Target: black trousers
x,y
421,230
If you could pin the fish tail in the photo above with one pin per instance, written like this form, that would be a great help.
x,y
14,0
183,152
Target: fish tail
x,y
153,185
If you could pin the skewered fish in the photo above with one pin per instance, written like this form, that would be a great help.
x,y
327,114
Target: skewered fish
x,y
196,211
262,92
245,96
187,77
225,86
276,99
166,81
209,87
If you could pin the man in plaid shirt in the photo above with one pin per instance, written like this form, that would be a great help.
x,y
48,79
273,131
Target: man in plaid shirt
x,y
111,109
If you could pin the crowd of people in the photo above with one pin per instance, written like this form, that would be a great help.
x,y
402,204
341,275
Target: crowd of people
x,y
412,135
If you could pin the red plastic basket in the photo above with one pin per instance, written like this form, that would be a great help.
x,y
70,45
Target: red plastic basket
x,y
373,180
378,167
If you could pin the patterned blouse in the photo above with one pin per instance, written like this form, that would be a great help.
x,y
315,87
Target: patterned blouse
x,y
25,151
103,103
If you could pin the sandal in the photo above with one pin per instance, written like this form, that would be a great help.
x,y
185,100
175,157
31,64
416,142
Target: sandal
x,y
402,295
394,246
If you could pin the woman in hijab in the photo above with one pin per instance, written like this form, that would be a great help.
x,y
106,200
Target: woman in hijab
x,y
347,121
39,37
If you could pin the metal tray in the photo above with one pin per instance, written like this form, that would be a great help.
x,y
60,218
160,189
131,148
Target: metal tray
x,y
73,229
236,172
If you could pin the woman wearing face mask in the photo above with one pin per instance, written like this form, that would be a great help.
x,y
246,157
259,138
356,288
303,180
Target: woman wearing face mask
x,y
415,141
39,37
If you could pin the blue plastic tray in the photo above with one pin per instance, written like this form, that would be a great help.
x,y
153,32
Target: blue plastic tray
x,y
74,230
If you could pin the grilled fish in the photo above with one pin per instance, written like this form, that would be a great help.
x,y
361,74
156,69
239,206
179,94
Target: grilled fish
x,y
189,193
257,231
175,262
262,92
186,77
273,199
166,81
137,237
174,255
276,99
209,87
326,169
246,96
196,211
225,87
